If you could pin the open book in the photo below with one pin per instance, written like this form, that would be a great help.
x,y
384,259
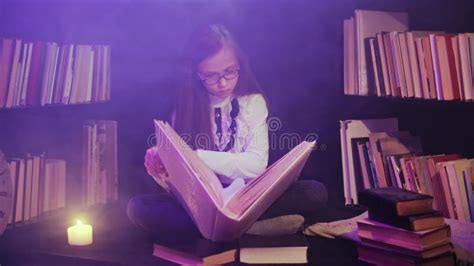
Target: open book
x,y
217,216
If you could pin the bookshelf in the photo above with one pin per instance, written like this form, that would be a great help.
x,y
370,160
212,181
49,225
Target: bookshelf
x,y
60,156
432,80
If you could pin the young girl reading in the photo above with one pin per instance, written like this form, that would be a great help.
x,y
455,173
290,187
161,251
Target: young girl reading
x,y
221,112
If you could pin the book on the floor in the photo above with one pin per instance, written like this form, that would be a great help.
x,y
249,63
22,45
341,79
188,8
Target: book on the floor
x,y
417,241
287,249
196,251
418,222
381,257
418,254
223,214
393,201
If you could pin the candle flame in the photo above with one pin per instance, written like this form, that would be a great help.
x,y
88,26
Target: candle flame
x,y
78,222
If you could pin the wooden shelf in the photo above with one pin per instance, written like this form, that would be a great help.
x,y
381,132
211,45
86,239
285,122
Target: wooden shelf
x,y
407,99
55,106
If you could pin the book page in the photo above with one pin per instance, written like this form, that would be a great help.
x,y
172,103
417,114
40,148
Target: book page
x,y
198,168
229,192
289,165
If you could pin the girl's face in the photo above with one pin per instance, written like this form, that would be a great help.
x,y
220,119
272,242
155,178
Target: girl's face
x,y
219,73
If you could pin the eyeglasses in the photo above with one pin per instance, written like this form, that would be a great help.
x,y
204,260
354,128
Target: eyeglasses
x,y
228,75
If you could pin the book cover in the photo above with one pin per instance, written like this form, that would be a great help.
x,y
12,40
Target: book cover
x,y
381,257
14,167
15,68
195,251
414,240
384,68
367,177
466,75
438,191
402,251
417,222
358,161
395,201
33,89
468,175
349,57
428,55
288,249
378,67
456,185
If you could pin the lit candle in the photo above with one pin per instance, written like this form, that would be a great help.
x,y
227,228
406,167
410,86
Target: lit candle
x,y
79,234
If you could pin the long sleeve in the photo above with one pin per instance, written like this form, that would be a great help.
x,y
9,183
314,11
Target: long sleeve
x,y
253,159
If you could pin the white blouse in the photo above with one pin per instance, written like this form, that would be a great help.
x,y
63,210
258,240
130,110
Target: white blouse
x,y
248,158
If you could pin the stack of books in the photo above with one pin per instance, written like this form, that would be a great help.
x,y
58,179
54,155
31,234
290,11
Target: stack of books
x,y
403,229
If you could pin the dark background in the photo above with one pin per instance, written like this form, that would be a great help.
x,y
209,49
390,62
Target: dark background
x,y
295,48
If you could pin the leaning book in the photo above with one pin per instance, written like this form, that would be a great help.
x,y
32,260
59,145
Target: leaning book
x,y
218,214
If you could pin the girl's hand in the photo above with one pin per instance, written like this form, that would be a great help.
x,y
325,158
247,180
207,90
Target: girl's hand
x,y
155,167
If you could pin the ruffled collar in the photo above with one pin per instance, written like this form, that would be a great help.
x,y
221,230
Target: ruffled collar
x,y
219,102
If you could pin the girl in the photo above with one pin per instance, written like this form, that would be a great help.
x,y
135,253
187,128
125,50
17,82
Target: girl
x,y
222,112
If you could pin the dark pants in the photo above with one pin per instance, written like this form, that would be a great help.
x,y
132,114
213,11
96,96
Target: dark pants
x,y
161,214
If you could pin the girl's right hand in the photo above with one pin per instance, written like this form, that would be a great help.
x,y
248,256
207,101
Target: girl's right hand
x,y
154,166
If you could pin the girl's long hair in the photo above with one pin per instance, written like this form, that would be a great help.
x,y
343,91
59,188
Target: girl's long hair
x,y
192,118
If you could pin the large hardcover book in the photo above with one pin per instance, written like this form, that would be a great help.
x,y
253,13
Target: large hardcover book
x,y
395,201
416,241
288,249
33,90
413,222
403,251
195,251
218,214
381,257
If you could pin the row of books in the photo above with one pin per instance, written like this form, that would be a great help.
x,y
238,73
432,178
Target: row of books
x,y
383,58
44,73
249,249
354,134
99,168
382,156
403,229
39,186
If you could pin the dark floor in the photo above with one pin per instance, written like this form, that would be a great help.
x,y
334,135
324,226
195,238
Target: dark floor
x,y
118,242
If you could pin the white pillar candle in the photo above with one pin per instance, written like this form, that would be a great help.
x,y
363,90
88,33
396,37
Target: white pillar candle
x,y
79,234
